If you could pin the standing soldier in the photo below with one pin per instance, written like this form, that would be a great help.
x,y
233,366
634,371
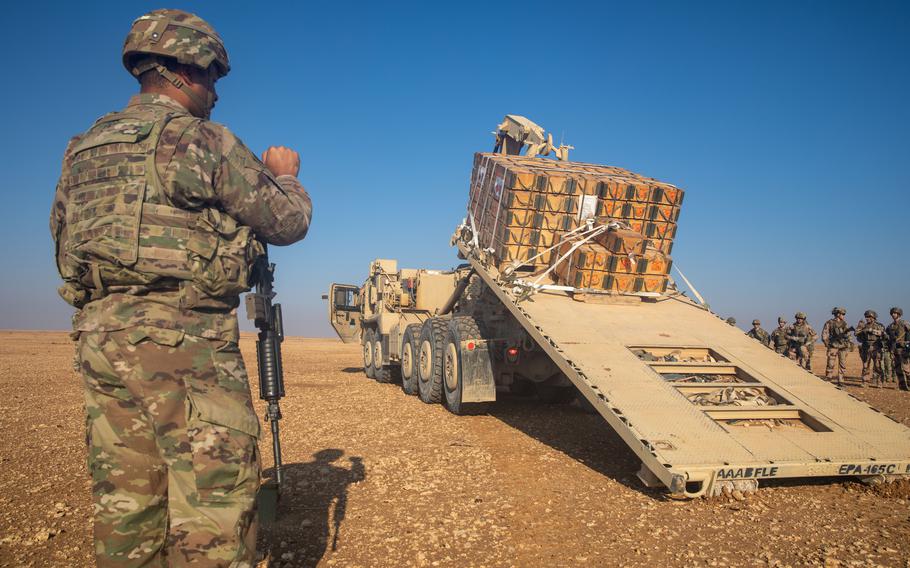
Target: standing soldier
x,y
759,334
800,336
158,218
779,337
836,337
898,337
870,334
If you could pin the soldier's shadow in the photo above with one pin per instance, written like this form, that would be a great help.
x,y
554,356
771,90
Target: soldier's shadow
x,y
312,508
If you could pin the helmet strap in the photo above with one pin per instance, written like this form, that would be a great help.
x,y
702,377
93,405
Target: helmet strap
x,y
204,106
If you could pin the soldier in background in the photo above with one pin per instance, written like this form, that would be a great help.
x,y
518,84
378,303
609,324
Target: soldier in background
x,y
800,337
836,337
779,337
871,334
731,320
898,337
158,219
758,334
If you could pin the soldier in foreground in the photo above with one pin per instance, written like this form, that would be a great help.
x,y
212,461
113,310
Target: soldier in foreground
x,y
898,337
871,334
800,336
779,337
157,221
836,338
759,334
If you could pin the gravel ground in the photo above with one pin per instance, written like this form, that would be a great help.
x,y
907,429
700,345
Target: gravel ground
x,y
376,478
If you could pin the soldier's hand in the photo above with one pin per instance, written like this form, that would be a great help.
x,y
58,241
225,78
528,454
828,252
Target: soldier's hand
x,y
281,161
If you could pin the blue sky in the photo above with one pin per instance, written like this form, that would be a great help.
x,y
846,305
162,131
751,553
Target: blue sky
x,y
787,123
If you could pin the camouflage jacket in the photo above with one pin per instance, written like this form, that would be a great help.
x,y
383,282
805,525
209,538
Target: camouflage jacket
x,y
760,335
202,166
779,336
836,334
870,335
897,336
801,334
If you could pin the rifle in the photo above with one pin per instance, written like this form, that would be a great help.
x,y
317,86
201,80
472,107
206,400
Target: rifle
x,y
267,317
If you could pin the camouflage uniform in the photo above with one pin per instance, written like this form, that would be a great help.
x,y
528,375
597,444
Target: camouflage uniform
x,y
759,334
779,337
157,218
897,335
800,337
870,335
836,337
888,374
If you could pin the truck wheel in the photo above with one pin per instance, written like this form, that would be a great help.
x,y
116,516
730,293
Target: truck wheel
x,y
462,328
368,354
409,358
429,360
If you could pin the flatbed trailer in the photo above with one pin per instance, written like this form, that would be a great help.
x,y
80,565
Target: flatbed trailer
x,y
623,353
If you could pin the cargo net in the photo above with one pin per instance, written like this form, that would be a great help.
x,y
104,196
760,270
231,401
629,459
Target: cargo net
x,y
569,225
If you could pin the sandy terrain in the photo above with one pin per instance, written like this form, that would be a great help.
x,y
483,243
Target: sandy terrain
x,y
376,478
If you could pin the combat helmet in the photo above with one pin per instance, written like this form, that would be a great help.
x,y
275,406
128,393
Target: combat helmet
x,y
836,311
870,314
180,36
896,310
781,320
756,322
800,315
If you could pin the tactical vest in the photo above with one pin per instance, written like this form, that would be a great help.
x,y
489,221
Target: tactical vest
x,y
122,231
898,335
779,337
838,336
871,334
799,334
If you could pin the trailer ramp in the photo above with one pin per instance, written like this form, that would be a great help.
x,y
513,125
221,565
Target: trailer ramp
x,y
700,403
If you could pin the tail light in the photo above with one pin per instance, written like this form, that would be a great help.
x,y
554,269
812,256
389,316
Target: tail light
x,y
512,354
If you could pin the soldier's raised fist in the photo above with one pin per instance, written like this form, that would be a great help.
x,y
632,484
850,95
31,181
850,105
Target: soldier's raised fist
x,y
281,161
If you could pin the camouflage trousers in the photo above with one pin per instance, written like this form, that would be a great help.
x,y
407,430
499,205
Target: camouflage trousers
x,y
872,364
902,368
887,366
171,436
802,355
837,356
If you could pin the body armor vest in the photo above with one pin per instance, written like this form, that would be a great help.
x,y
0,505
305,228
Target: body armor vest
x,y
838,336
799,334
779,337
898,335
122,231
871,334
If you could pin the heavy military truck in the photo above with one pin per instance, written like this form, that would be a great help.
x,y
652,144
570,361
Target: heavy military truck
x,y
704,407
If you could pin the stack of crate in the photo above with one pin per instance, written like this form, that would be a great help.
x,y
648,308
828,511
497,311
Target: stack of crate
x,y
521,207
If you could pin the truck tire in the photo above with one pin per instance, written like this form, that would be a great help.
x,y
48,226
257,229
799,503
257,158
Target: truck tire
x,y
383,373
409,356
429,362
368,354
461,328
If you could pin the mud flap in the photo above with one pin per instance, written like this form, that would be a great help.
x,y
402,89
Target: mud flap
x,y
476,372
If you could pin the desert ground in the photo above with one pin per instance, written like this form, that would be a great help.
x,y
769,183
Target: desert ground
x,y
377,478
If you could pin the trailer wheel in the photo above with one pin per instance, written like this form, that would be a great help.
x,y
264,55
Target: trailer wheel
x,y
429,361
410,349
461,328
368,354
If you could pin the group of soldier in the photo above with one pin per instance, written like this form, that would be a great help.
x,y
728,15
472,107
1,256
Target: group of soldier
x,y
885,351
